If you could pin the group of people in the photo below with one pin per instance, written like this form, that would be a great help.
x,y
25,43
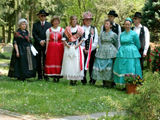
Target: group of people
x,y
69,52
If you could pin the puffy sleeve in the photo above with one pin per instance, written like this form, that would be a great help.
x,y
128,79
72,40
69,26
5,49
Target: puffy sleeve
x,y
62,32
95,43
136,40
64,37
47,34
115,41
15,38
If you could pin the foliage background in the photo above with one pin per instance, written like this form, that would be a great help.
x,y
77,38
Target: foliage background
x,y
12,10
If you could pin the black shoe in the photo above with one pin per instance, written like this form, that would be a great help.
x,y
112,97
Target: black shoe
x,y
46,79
54,80
39,79
124,89
93,82
90,82
23,79
57,80
84,81
71,83
113,85
74,82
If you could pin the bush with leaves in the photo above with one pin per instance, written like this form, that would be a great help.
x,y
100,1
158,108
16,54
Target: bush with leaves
x,y
3,56
142,106
155,59
146,105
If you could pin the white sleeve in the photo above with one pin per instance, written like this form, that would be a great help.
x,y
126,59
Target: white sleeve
x,y
62,32
63,38
95,43
119,33
47,34
101,29
147,40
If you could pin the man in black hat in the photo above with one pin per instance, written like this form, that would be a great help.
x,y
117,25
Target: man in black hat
x,y
144,36
115,28
39,35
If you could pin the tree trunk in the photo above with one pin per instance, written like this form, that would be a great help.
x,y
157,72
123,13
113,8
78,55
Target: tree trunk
x,y
28,22
32,16
9,32
3,34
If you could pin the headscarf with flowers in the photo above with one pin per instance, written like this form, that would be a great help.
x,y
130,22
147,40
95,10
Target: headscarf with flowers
x,y
19,33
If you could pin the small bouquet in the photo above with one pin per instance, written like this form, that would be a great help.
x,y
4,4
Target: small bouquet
x,y
133,79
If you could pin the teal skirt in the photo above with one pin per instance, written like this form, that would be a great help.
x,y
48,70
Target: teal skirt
x,y
124,66
103,69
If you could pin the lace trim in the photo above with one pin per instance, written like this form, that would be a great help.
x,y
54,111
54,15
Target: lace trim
x,y
54,66
107,68
52,74
121,75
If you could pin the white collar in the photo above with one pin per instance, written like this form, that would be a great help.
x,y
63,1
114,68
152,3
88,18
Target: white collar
x,y
140,26
86,28
73,29
43,22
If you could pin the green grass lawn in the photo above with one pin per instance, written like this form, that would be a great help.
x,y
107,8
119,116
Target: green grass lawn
x,y
48,99
45,99
7,55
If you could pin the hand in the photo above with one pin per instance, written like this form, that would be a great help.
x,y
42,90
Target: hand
x,y
86,51
42,43
68,46
76,47
46,52
144,55
17,54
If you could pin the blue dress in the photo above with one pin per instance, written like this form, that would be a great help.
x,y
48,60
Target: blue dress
x,y
128,57
103,64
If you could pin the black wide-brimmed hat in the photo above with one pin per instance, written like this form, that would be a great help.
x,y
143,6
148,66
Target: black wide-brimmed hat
x,y
112,12
43,12
138,14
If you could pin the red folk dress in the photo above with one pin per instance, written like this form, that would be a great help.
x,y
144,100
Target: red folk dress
x,y
54,53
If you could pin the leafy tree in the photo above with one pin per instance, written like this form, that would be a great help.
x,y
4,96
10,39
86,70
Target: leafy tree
x,y
151,18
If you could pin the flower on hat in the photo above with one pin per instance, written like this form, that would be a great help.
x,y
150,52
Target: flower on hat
x,y
87,15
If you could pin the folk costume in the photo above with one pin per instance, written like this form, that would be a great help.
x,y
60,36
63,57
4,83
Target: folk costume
x,y
115,27
90,44
39,33
144,38
23,66
73,60
103,64
128,57
55,49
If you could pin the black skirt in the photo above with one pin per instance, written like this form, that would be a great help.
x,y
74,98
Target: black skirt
x,y
23,66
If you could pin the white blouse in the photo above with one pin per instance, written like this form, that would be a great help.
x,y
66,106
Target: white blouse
x,y
53,30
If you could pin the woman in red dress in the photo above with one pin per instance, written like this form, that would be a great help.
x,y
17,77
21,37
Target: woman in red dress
x,y
54,50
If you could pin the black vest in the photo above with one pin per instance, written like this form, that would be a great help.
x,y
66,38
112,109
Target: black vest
x,y
141,37
88,40
114,28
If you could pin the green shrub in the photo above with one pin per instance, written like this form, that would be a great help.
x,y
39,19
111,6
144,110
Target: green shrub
x,y
146,105
155,59
3,56
142,106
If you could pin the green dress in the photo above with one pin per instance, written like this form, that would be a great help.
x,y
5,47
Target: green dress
x,y
103,64
128,57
